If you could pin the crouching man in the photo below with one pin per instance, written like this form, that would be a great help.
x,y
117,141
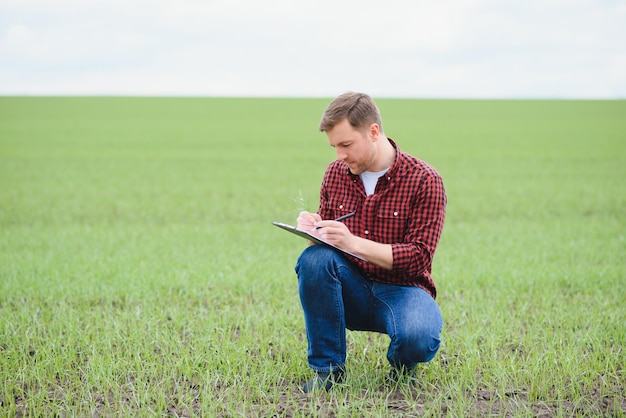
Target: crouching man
x,y
399,207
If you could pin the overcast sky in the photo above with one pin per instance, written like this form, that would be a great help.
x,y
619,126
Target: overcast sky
x,y
315,48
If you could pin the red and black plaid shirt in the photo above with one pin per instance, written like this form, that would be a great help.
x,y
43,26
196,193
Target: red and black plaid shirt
x,y
407,210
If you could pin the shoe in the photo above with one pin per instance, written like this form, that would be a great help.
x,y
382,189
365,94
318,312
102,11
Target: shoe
x,y
323,381
400,374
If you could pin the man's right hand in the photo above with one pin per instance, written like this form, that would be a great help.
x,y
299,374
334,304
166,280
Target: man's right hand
x,y
306,220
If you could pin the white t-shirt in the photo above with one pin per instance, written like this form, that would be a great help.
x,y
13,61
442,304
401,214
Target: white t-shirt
x,y
370,179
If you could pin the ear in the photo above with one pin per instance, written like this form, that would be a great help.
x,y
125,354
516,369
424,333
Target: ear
x,y
374,131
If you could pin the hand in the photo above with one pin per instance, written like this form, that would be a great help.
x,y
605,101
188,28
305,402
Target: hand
x,y
336,233
306,220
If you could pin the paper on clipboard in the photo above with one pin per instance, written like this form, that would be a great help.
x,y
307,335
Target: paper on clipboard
x,y
307,235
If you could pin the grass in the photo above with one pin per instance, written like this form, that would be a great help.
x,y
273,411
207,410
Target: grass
x,y
140,273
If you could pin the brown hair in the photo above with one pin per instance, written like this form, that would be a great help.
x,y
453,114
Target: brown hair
x,y
358,108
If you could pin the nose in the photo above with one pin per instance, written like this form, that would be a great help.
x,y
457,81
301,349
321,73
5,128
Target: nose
x,y
341,156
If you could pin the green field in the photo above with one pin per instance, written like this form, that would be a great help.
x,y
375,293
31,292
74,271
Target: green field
x,y
140,274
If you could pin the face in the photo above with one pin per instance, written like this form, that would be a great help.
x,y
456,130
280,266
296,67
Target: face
x,y
355,147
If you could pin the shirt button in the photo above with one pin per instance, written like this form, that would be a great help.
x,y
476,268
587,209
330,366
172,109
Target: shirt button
x,y
340,206
395,214
367,232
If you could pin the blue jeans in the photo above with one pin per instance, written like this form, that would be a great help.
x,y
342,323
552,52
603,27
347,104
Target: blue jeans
x,y
336,296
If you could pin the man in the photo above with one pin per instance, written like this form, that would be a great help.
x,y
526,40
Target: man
x,y
399,204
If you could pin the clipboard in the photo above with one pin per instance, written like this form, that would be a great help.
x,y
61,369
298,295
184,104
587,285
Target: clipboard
x,y
307,235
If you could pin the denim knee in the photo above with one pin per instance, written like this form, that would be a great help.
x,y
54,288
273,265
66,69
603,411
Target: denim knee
x,y
415,336
426,345
410,348
313,260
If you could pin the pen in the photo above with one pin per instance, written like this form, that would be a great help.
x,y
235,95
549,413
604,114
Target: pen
x,y
341,218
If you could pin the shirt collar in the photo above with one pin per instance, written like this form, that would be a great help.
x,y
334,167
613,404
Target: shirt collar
x,y
397,167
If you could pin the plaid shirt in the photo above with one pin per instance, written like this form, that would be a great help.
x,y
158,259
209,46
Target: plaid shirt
x,y
407,210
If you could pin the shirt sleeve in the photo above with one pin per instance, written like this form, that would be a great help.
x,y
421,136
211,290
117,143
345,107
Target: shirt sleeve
x,y
413,257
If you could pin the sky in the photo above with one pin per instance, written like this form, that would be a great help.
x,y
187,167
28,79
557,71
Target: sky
x,y
570,49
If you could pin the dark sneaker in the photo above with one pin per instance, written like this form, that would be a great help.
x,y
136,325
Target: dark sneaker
x,y
323,381
402,374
